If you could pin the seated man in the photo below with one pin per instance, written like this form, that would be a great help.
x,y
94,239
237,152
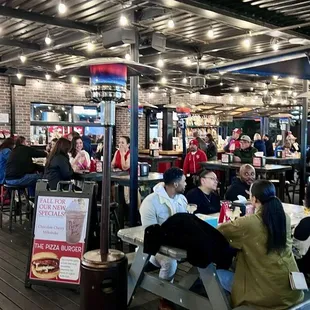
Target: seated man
x,y
166,200
241,185
246,152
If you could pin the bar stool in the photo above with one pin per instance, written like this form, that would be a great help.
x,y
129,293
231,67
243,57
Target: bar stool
x,y
15,208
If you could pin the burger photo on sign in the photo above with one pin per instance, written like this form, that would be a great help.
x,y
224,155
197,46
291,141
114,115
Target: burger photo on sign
x,y
45,265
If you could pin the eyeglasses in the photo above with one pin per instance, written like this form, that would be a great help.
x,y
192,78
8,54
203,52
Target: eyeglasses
x,y
213,179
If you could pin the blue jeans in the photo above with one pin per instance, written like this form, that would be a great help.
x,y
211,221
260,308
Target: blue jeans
x,y
28,180
226,278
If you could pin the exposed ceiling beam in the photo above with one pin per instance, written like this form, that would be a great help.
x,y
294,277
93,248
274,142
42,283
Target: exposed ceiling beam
x,y
209,10
45,19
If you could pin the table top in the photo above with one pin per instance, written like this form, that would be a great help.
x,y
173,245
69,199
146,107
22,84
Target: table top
x,y
217,164
283,161
120,177
158,158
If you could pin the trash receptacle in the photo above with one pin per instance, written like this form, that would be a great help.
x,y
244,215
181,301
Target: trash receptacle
x,y
104,283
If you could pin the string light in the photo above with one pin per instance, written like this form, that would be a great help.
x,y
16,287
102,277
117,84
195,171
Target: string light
x,y
210,33
251,89
160,63
184,81
90,46
163,80
57,67
156,88
47,76
127,56
62,8
236,89
174,90
221,84
123,21
170,23
48,40
23,58
74,79
247,42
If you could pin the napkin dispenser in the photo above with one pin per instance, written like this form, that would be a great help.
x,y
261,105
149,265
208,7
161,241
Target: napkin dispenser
x,y
259,161
280,154
154,152
227,158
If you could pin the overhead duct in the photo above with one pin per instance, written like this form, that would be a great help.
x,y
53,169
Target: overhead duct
x,y
118,37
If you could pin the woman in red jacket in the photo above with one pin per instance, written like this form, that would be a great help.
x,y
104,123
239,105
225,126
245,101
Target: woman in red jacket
x,y
192,162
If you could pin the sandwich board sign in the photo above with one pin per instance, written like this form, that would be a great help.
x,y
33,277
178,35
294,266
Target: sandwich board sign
x,y
60,233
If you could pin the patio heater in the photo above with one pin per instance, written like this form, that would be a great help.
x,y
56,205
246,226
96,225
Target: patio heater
x,y
104,271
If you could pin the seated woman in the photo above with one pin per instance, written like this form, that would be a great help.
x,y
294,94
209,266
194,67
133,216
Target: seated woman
x,y
259,144
50,146
79,159
121,159
5,150
301,243
265,258
58,167
20,170
204,195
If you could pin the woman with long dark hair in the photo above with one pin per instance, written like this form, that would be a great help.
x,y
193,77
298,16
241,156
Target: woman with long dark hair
x,y
211,150
204,195
265,258
79,158
58,167
5,150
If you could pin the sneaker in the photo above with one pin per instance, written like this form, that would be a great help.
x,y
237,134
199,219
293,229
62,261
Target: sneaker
x,y
165,304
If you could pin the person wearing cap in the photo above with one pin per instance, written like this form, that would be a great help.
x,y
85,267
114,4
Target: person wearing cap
x,y
234,142
192,162
246,152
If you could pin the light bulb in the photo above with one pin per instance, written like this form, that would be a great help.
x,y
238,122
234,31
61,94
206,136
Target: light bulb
x,y
251,89
210,33
139,86
291,80
187,61
123,20
19,75
236,89
48,40
127,56
247,43
163,80
62,8
275,46
170,23
160,63
184,81
73,79
156,88
174,90
57,67
90,46
278,92
23,58
47,76
221,84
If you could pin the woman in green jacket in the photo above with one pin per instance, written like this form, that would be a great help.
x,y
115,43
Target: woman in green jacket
x,y
265,258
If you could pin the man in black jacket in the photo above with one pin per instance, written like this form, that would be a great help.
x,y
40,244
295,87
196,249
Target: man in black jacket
x,y
269,147
20,170
241,185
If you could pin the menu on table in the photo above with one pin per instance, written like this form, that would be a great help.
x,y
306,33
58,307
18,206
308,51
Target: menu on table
x,y
59,239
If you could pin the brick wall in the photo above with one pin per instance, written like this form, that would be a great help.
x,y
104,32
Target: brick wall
x,y
5,101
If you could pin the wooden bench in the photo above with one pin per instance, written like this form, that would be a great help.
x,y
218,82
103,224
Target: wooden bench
x,y
178,293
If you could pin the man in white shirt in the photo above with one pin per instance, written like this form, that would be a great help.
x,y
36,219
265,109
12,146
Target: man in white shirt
x,y
166,200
